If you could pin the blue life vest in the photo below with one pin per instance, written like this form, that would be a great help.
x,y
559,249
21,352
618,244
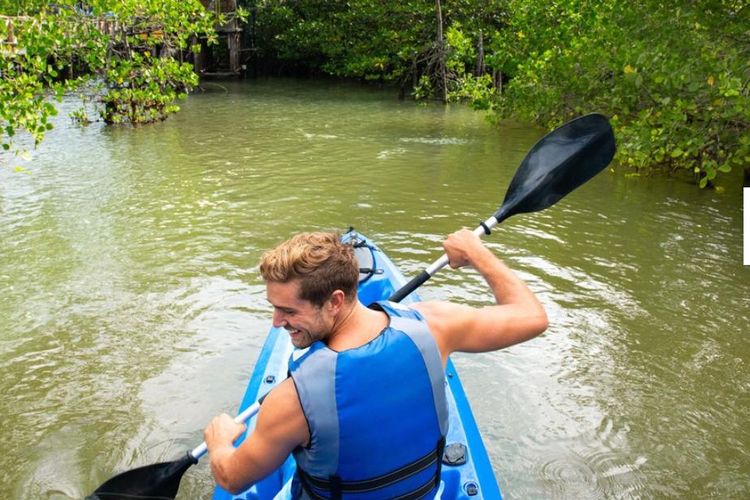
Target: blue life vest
x,y
377,414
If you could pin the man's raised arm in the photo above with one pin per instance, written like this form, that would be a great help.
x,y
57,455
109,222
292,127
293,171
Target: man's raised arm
x,y
516,316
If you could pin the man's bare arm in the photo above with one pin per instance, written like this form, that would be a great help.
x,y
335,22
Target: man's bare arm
x,y
516,317
280,428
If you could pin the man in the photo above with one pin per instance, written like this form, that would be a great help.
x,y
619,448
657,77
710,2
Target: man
x,y
371,378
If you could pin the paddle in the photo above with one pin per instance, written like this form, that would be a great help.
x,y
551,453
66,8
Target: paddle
x,y
158,481
560,162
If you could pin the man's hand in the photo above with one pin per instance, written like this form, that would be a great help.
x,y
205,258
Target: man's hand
x,y
222,431
462,248
280,428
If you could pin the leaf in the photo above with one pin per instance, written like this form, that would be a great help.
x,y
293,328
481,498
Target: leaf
x,y
676,153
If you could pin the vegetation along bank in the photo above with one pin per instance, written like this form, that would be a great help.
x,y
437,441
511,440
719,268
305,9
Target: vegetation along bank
x,y
674,79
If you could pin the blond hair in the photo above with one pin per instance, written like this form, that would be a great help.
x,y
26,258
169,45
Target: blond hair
x,y
319,260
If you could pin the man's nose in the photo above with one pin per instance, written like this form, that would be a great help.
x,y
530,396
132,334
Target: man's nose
x,y
278,319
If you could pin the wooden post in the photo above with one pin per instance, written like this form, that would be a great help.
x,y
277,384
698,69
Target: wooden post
x,y
9,44
11,39
233,46
199,58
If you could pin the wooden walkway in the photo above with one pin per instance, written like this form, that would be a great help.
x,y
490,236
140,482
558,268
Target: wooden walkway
x,y
230,34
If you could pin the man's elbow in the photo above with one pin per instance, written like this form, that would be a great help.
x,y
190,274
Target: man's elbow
x,y
542,323
538,322
233,487
236,490
226,481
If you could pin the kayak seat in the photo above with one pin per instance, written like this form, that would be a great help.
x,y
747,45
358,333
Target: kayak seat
x,y
372,291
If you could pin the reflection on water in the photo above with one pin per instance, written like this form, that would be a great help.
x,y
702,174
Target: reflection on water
x,y
132,311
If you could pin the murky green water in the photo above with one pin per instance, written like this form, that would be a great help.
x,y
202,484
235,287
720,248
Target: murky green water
x,y
131,311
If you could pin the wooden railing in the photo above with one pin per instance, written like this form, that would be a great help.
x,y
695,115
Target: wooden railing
x,y
8,40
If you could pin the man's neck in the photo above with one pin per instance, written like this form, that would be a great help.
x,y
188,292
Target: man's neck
x,y
358,326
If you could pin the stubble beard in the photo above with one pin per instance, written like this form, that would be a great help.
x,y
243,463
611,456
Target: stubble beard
x,y
301,339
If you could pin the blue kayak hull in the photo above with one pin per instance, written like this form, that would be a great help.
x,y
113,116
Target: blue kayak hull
x,y
472,479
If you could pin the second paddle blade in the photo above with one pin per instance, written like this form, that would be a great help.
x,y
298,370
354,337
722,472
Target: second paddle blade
x,y
157,481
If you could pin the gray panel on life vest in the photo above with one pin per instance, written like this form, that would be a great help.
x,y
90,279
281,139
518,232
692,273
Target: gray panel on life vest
x,y
314,379
420,334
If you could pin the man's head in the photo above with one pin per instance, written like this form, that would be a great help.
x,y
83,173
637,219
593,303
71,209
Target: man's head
x,y
310,280
318,261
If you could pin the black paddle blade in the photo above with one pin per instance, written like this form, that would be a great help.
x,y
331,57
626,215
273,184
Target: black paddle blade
x,y
155,482
560,162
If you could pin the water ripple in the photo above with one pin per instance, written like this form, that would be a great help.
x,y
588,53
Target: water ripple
x,y
132,310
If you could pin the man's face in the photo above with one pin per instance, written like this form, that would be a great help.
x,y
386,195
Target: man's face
x,y
305,322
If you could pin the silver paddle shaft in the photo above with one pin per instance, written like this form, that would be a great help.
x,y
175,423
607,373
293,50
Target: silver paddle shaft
x,y
243,417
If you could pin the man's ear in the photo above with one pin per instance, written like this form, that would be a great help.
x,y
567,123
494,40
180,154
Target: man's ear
x,y
337,300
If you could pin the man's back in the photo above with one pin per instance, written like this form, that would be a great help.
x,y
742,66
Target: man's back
x,y
363,404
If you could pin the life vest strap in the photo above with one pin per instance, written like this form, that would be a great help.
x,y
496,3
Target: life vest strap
x,y
415,494
335,484
419,492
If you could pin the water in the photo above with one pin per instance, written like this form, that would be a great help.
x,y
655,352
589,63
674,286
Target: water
x,y
132,312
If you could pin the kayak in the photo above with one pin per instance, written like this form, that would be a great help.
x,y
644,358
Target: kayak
x,y
560,162
466,470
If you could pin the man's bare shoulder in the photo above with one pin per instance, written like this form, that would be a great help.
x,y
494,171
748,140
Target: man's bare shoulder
x,y
281,412
439,311
283,398
445,319
281,427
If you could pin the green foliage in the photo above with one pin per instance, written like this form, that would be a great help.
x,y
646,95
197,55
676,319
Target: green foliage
x,y
355,39
382,41
143,89
478,91
462,49
25,76
133,48
146,77
674,78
